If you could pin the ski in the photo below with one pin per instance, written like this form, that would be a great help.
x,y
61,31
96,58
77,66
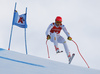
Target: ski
x,y
59,52
71,58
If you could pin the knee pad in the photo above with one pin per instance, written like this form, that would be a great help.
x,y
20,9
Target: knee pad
x,y
64,42
54,38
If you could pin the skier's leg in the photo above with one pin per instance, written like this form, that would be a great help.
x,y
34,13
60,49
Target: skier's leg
x,y
54,40
60,39
67,50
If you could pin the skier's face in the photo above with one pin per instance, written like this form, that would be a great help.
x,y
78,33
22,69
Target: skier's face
x,y
58,23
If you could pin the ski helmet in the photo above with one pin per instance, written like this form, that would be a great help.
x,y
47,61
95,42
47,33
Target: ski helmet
x,y
58,18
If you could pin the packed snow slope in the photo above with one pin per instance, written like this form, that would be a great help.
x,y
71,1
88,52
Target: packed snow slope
x,y
16,63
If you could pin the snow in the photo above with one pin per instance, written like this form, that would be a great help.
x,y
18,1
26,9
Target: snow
x,y
12,62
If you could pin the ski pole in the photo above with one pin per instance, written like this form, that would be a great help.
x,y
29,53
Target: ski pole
x,y
81,54
47,49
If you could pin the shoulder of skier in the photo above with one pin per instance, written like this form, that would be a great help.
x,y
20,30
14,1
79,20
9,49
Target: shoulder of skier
x,y
49,28
62,26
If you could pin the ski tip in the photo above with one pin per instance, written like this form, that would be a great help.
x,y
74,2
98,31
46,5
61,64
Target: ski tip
x,y
73,54
71,58
59,52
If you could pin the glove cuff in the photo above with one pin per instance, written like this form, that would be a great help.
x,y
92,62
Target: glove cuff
x,y
48,37
69,38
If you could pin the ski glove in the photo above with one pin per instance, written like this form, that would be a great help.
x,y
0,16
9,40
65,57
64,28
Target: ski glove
x,y
48,37
69,38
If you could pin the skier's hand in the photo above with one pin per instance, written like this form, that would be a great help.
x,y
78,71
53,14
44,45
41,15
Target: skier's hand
x,y
69,38
48,37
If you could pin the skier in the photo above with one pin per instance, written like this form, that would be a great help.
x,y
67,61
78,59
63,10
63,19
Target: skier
x,y
53,34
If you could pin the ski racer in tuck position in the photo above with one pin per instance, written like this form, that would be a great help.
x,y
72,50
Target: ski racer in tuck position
x,y
53,34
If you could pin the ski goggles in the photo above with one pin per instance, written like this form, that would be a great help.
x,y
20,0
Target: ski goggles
x,y
58,22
